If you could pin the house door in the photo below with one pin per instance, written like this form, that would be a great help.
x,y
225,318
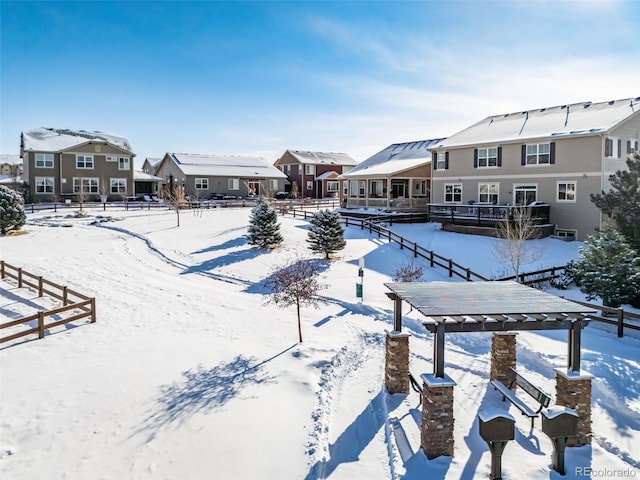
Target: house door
x,y
253,188
398,188
524,194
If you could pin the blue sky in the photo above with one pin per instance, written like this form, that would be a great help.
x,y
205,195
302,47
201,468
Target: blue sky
x,y
262,77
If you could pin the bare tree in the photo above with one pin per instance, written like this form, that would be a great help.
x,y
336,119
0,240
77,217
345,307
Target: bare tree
x,y
296,283
294,191
176,200
512,248
104,190
408,272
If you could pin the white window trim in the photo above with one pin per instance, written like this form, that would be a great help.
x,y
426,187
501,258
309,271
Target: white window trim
x,y
489,193
48,181
566,182
566,233
82,182
333,186
117,183
419,188
453,185
128,161
487,157
441,161
233,184
309,184
46,157
85,157
273,184
111,158
309,169
519,186
201,183
537,155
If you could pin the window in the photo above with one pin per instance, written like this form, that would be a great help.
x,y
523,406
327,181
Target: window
x,y
98,148
361,187
486,157
419,188
44,184
123,163
441,161
119,185
111,158
632,146
345,188
612,147
44,160
84,161
524,194
85,185
566,234
538,154
310,169
273,184
453,192
233,184
309,184
375,188
333,186
566,192
488,193
299,168
202,183
287,168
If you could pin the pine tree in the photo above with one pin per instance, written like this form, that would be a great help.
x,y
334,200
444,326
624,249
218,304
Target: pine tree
x,y
608,268
12,215
264,229
326,234
622,201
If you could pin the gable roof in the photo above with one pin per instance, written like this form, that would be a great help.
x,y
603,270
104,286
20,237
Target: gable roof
x,y
10,159
57,140
224,165
322,158
395,159
576,119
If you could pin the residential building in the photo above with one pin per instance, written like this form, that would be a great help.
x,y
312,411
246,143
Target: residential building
x,y
11,170
150,165
555,155
314,174
211,176
396,178
76,164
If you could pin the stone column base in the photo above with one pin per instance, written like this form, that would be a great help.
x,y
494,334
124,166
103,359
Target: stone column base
x,y
503,355
396,368
573,390
437,438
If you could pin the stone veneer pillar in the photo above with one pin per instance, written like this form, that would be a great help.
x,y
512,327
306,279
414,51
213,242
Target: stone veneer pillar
x,y
396,371
436,438
503,355
573,390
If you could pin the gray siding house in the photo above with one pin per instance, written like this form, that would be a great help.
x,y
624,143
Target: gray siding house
x,y
209,176
554,155
76,164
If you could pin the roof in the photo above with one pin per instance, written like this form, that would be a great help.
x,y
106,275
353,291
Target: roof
x,y
57,140
396,158
10,159
225,166
322,158
327,175
585,118
139,176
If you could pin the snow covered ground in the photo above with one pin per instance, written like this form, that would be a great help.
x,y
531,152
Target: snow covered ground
x,y
187,374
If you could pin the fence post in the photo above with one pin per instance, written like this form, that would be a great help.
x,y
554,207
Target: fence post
x,y
450,268
620,322
468,274
40,324
415,250
20,277
64,295
93,310
401,243
1,268
431,258
40,286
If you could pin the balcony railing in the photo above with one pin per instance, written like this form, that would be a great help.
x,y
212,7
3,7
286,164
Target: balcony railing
x,y
487,215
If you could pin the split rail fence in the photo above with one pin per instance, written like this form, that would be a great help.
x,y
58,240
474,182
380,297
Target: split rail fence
x,y
71,300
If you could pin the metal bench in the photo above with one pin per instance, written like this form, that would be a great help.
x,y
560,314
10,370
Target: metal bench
x,y
534,392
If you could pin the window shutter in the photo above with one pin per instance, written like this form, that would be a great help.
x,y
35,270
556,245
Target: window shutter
x,y
629,149
499,156
475,158
607,147
434,160
523,156
446,160
552,152
619,148
636,149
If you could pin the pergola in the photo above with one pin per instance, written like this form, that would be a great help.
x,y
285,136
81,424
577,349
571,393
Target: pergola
x,y
488,307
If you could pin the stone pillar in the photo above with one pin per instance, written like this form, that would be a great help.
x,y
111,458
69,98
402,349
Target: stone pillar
x,y
503,355
573,390
396,371
436,438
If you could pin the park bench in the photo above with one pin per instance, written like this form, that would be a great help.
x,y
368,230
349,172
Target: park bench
x,y
415,385
534,392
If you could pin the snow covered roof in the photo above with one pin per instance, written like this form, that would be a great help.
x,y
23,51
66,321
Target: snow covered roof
x,y
322,158
139,176
584,118
10,159
225,166
396,158
57,140
327,175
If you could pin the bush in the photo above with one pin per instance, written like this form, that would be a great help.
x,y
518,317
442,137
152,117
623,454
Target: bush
x,y
12,216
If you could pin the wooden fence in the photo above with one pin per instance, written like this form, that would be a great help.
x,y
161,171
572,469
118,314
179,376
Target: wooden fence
x,y
620,317
71,300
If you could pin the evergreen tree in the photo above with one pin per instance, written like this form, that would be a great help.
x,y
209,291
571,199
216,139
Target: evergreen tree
x,y
608,268
264,229
326,234
12,215
622,201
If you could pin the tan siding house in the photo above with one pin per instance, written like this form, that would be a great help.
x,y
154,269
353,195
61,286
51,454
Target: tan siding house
x,y
555,155
76,164
211,176
396,178
314,174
